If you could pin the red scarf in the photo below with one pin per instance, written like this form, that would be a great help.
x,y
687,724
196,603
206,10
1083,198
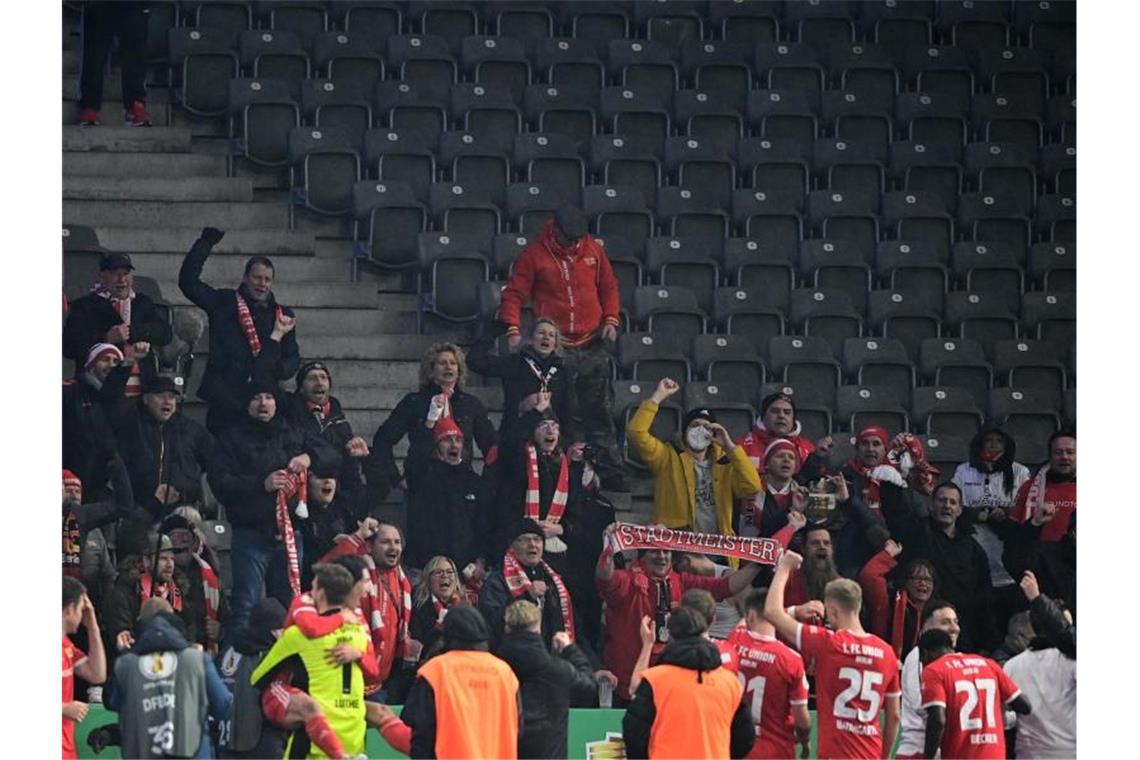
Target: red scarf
x,y
299,485
245,319
869,485
320,411
442,607
384,595
71,546
168,591
211,592
1035,496
898,622
531,510
443,399
518,583
923,475
471,591
123,309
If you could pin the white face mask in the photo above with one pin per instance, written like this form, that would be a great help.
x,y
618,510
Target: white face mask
x,y
698,438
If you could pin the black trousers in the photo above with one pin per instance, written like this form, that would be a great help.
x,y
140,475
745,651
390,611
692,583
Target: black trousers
x,y
102,23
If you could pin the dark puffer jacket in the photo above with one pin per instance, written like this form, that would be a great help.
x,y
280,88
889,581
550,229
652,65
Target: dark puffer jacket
x,y
246,454
447,514
88,437
91,316
549,684
337,431
231,362
175,452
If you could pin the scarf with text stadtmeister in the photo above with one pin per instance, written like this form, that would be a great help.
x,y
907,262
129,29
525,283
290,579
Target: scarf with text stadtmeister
x,y
763,551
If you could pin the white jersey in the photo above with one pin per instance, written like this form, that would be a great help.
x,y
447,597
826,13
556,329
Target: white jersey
x,y
984,490
1048,679
912,740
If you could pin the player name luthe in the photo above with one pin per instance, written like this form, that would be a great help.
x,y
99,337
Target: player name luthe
x,y
350,703
863,649
863,729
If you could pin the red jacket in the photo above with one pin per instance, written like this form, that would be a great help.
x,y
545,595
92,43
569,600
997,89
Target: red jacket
x,y
1062,495
758,439
573,286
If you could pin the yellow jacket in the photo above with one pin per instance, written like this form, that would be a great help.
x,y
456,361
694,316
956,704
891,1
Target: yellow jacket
x,y
675,483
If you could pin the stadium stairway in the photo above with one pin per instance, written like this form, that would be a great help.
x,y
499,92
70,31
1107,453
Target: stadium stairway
x,y
149,192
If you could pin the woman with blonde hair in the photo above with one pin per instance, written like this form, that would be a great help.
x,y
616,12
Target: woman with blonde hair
x,y
439,589
440,396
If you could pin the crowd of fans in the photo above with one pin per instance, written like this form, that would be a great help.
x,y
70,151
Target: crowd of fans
x,y
316,613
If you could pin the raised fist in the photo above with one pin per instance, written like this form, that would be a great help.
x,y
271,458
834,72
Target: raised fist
x,y
212,235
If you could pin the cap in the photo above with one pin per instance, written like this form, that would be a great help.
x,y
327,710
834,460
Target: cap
x,y
465,623
308,367
164,384
115,261
696,414
444,427
572,221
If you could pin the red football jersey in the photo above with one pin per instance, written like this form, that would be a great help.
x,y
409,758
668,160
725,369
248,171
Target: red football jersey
x,y
728,658
973,689
73,656
853,675
773,678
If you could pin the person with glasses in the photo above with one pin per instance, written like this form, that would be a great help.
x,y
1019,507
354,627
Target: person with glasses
x,y
437,592
896,608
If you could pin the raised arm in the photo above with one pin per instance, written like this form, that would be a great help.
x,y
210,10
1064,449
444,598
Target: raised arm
x,y
774,611
190,275
873,581
655,453
94,669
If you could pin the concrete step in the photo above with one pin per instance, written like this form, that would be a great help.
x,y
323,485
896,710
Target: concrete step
x,y
111,114
242,243
226,269
196,215
117,139
378,374
79,164
373,397
319,323
72,58
113,88
329,295
320,339
175,189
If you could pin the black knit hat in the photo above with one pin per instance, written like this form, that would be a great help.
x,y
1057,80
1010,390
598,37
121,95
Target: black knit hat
x,y
308,367
772,398
572,221
465,624
256,386
527,526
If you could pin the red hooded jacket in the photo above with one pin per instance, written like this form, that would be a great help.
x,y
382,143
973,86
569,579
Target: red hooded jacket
x,y
574,286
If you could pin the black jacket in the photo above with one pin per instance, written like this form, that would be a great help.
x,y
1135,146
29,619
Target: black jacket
x,y
175,452
231,362
88,437
1053,562
697,654
962,571
325,523
246,454
495,596
549,683
91,316
408,418
520,381
336,429
447,514
121,611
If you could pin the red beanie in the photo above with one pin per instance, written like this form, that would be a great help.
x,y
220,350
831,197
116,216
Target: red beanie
x,y
444,427
98,350
874,431
781,444
71,479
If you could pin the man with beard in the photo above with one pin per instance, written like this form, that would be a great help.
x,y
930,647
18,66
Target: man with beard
x,y
1055,484
959,563
524,574
896,618
146,576
778,420
258,467
447,508
937,615
114,313
651,588
808,582
240,323
440,396
203,601
166,451
313,408
694,482
387,606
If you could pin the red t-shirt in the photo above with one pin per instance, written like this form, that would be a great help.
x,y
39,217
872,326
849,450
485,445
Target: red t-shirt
x,y
73,657
973,689
1063,496
773,678
728,658
853,675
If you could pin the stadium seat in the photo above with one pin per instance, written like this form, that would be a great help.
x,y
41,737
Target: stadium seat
x,y
530,205
701,165
959,362
1056,218
731,404
894,314
273,55
787,115
692,212
713,116
940,69
488,112
770,167
836,265
524,21
1025,413
224,16
848,217
325,104
806,362
879,361
919,216
374,22
323,168
549,160
1032,364
595,21
560,110
395,158
825,313
641,356
946,410
349,60
932,118
669,311
746,313
505,249
984,317
620,210
477,165
672,23
727,359
1053,266
424,61
639,113
995,219
945,452
867,70
206,60
848,117
1050,316
914,268
1070,408
266,112
1061,119
627,161
451,263
570,63
932,168
497,61
993,270
642,65
751,23
684,261
306,20
1015,71
720,65
389,220
457,207
858,406
450,21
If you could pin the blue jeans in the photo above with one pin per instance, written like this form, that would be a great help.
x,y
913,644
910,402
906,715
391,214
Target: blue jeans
x,y
259,569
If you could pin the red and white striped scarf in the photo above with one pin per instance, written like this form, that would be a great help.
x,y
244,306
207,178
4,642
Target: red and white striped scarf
x,y
561,490
441,607
211,592
168,591
123,309
245,319
403,606
518,583
543,377
299,485
1035,497
442,399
